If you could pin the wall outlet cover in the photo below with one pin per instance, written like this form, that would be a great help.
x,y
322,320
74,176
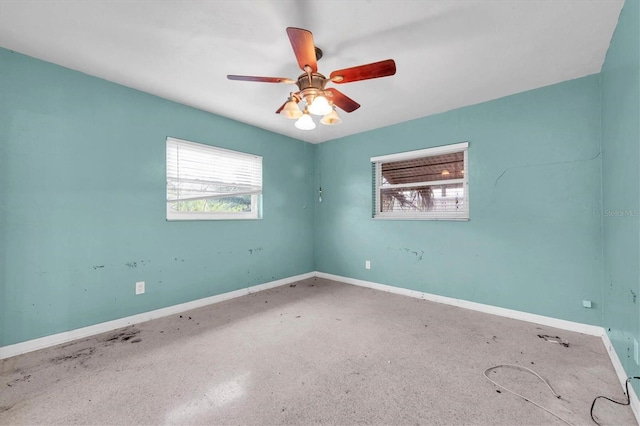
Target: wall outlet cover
x,y
635,351
367,264
140,287
586,303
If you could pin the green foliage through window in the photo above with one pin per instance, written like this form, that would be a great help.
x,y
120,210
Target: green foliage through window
x,y
215,205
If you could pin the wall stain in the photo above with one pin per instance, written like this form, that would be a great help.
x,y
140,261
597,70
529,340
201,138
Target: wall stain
x,y
134,264
417,253
633,296
255,249
418,256
98,267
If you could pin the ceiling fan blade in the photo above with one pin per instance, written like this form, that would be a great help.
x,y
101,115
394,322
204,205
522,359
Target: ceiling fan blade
x,y
261,79
281,108
303,48
343,101
364,72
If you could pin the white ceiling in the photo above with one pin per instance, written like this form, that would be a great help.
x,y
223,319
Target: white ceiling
x,y
448,53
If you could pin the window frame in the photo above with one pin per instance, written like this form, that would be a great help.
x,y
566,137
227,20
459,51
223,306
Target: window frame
x,y
378,161
256,199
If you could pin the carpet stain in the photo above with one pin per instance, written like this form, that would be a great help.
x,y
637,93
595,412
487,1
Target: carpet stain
x,y
122,336
554,339
24,378
80,355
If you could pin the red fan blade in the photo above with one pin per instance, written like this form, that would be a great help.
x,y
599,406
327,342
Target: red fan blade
x,y
281,108
343,101
364,72
303,48
260,79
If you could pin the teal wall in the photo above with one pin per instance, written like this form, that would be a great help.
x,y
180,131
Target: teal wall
x,y
620,80
534,239
82,217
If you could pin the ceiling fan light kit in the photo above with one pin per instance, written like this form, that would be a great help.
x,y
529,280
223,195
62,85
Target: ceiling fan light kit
x,y
291,110
317,99
305,122
320,106
331,119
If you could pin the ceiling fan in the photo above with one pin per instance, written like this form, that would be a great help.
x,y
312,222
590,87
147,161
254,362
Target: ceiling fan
x,y
317,99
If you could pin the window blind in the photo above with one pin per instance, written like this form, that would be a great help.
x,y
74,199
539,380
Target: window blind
x,y
425,184
196,172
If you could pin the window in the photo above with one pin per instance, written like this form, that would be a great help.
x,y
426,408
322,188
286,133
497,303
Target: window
x,y
428,184
205,182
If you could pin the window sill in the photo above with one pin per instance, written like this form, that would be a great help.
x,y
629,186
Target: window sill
x,y
208,218
454,219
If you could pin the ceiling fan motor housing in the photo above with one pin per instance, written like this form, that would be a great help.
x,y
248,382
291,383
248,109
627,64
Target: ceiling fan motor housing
x,y
311,85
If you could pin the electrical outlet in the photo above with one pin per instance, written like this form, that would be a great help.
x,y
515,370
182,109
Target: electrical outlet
x,y
367,264
140,287
635,351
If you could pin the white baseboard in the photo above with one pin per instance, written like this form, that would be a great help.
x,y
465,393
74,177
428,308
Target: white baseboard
x,y
80,333
622,375
592,330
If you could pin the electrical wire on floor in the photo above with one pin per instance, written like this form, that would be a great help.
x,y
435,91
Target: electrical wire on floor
x,y
626,387
528,370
